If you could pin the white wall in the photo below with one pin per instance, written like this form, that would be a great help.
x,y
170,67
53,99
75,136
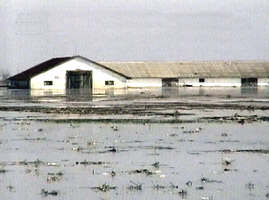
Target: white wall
x,y
58,75
263,81
210,82
144,82
213,82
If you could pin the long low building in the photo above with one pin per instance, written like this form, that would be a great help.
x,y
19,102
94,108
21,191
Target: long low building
x,y
80,72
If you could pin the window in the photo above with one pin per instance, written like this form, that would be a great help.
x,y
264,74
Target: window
x,y
48,82
109,82
201,80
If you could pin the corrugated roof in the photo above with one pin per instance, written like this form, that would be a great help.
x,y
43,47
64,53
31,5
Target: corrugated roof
x,y
205,69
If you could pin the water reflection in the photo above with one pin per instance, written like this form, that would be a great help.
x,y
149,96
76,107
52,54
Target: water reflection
x,y
132,93
249,91
170,91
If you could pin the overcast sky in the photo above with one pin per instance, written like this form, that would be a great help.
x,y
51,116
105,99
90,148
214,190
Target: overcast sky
x,y
33,31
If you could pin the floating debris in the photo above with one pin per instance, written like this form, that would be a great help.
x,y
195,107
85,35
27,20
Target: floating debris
x,y
51,179
231,141
267,195
11,188
237,118
173,186
206,180
197,130
156,164
162,176
142,171
105,173
36,163
207,198
113,173
91,162
265,151
77,148
226,161
52,164
189,183
114,128
54,177
158,187
224,134
199,188
36,139
56,174
135,186
91,143
183,193
2,171
105,188
250,186
163,148
46,193
112,149
73,125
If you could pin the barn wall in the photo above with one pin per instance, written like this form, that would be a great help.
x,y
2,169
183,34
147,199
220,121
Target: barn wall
x,y
263,81
144,82
213,82
58,76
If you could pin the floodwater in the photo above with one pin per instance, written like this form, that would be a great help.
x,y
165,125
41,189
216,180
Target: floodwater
x,y
43,158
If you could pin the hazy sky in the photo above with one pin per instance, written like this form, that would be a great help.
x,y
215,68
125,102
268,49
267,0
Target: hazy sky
x,y
36,30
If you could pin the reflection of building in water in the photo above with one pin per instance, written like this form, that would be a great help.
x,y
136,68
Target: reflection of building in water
x,y
81,73
170,91
249,91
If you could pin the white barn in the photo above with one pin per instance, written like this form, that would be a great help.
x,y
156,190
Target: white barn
x,y
68,73
80,72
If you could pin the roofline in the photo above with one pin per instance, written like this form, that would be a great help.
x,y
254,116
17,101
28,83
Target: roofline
x,y
68,59
12,77
103,66
133,77
179,77
185,61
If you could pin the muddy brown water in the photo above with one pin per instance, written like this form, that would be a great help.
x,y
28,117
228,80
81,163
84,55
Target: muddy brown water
x,y
50,159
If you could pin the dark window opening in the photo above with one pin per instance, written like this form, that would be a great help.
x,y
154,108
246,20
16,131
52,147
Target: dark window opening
x,y
48,82
169,82
109,82
201,80
249,82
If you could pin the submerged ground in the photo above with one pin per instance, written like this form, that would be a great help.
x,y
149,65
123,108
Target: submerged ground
x,y
179,143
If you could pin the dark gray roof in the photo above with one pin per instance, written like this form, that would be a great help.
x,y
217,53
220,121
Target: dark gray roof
x,y
49,64
44,66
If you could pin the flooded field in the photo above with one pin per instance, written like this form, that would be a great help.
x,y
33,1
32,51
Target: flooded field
x,y
139,144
